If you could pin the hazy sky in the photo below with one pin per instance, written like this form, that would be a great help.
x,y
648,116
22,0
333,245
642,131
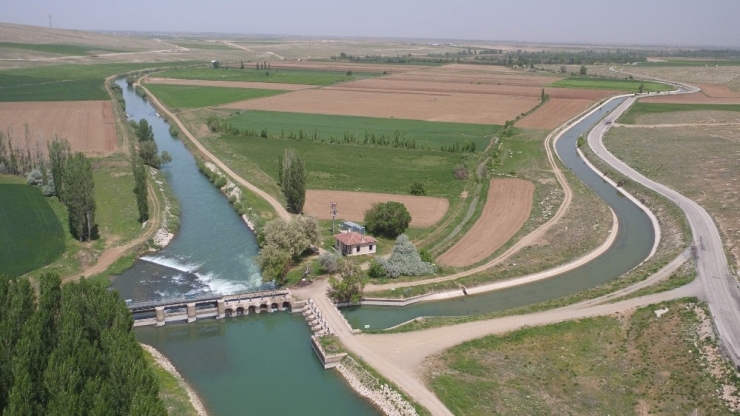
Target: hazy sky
x,y
672,22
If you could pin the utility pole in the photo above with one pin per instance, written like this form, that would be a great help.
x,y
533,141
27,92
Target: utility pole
x,y
333,215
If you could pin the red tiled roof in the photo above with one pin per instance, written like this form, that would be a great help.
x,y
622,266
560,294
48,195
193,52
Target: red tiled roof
x,y
354,238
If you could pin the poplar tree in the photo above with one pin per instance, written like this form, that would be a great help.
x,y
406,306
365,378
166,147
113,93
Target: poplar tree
x,y
79,188
293,180
140,185
59,151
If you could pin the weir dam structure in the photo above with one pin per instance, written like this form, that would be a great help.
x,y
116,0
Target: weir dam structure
x,y
159,312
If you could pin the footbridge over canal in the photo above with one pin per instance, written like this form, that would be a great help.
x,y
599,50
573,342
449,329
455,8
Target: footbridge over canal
x,y
159,312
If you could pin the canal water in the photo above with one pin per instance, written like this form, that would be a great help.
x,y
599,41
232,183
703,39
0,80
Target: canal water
x,y
244,365
634,242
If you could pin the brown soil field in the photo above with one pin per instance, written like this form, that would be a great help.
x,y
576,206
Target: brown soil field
x,y
687,118
718,91
343,66
554,113
460,108
89,126
425,210
711,178
478,74
229,84
507,208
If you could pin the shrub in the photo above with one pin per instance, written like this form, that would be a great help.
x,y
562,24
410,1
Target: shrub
x,y
348,287
461,171
329,262
405,260
376,270
35,177
349,73
220,182
174,131
418,188
426,256
388,219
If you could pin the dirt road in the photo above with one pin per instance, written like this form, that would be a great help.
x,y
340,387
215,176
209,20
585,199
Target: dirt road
x,y
277,206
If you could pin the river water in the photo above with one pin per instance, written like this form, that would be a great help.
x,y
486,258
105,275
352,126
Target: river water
x,y
244,365
264,363
633,244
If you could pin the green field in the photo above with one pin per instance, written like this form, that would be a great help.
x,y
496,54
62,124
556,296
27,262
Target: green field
x,y
424,133
64,82
186,96
640,108
250,74
691,62
355,168
60,49
610,84
30,233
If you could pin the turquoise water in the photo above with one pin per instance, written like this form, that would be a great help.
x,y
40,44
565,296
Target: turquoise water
x,y
243,365
633,244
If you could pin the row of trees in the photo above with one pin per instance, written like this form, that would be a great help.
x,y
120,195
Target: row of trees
x,y
19,157
70,350
72,178
147,146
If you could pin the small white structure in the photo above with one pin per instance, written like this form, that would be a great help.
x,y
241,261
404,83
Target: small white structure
x,y
354,244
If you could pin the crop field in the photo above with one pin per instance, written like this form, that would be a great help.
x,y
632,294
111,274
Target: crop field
x,y
30,233
425,211
59,49
641,109
712,179
250,74
633,363
87,125
554,113
709,94
355,168
229,84
332,127
610,84
689,62
63,82
184,96
507,207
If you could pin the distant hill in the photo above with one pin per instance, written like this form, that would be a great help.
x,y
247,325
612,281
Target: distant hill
x,y
37,35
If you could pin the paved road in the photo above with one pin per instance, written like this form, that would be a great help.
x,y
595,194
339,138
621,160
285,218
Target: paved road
x,y
720,286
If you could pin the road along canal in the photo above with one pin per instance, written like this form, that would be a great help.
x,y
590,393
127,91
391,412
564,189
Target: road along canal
x,y
260,364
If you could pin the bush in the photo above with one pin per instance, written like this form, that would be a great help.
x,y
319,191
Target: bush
x,y
35,177
350,284
349,73
174,131
405,260
376,270
418,188
426,256
461,171
389,219
329,262
220,182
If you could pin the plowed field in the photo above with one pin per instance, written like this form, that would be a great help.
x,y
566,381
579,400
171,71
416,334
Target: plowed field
x,y
425,211
507,208
554,113
87,125
229,84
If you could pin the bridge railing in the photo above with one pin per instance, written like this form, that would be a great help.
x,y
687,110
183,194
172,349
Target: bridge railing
x,y
146,305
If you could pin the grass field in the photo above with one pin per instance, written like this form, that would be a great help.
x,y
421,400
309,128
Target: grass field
x,y
284,76
116,214
640,108
424,133
355,168
185,96
30,233
610,84
64,82
638,364
60,49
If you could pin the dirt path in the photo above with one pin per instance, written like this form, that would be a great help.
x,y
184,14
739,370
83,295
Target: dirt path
x,y
277,206
234,45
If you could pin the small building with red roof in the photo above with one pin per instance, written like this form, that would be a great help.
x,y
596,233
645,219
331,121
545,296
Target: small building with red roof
x,y
354,244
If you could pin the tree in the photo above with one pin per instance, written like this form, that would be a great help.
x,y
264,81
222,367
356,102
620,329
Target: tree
x,y
79,188
388,219
59,151
148,153
144,131
293,180
140,186
349,286
418,188
241,64
274,263
405,260
563,69
641,88
282,244
583,70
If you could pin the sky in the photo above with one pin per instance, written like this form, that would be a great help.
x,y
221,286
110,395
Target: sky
x,y
627,22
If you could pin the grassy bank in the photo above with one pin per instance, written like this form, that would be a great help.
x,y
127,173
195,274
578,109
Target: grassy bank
x,y
637,363
641,108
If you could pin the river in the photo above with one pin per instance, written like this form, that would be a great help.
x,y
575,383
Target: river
x,y
241,365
